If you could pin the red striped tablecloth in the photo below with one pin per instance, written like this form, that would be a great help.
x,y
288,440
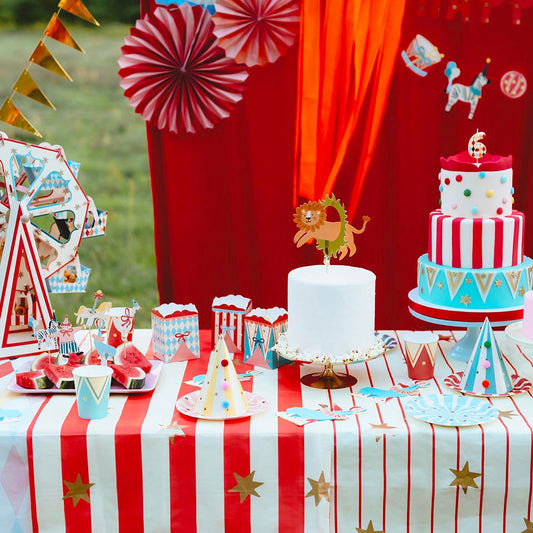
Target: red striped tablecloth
x,y
379,470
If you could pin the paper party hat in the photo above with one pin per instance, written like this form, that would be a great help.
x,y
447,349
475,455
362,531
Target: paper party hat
x,y
485,372
221,394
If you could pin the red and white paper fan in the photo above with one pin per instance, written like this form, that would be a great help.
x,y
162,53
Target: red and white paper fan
x,y
256,32
175,75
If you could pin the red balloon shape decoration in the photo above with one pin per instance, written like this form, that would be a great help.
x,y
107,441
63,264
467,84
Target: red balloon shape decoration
x,y
175,75
256,32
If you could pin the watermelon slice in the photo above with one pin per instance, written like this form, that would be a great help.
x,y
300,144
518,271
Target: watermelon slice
x,y
76,358
60,375
131,356
35,379
92,358
42,360
130,377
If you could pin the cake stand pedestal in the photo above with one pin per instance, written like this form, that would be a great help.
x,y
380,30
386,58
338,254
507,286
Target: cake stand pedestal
x,y
328,379
472,319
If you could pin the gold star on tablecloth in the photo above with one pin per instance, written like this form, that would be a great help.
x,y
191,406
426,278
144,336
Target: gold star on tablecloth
x,y
246,485
369,529
466,300
498,283
176,428
383,428
529,526
464,478
319,489
506,414
77,490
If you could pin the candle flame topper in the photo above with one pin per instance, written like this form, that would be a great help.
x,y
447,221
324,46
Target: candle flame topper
x,y
477,149
331,237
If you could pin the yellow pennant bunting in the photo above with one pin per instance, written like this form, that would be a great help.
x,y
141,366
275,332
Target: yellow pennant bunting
x,y
77,8
42,56
56,30
11,115
26,85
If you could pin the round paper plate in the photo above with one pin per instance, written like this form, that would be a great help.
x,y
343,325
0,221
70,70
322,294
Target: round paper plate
x,y
451,410
514,332
187,404
519,385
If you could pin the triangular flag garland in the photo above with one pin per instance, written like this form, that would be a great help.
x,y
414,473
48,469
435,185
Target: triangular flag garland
x,y
41,56
26,85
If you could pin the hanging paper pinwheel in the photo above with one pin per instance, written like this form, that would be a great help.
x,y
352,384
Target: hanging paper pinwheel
x,y
175,75
256,32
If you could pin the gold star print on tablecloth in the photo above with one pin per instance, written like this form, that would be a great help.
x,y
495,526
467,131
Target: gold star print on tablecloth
x,y
506,414
464,478
175,428
246,486
529,526
381,428
77,490
319,489
369,529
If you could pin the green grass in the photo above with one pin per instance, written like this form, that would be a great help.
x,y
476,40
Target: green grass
x,y
96,126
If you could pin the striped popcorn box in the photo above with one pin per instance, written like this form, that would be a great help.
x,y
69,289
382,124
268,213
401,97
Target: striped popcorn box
x,y
175,335
262,328
228,320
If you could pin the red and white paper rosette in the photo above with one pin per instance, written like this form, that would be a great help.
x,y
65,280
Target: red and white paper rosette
x,y
256,32
175,75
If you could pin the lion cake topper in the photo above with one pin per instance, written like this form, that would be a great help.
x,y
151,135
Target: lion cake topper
x,y
331,237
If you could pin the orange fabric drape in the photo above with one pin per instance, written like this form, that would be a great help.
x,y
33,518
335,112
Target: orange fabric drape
x,y
346,59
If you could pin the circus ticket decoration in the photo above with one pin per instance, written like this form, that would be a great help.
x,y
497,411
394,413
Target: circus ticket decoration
x,y
420,55
44,214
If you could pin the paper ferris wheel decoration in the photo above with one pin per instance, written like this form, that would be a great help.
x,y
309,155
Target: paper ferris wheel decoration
x,y
256,32
44,214
175,75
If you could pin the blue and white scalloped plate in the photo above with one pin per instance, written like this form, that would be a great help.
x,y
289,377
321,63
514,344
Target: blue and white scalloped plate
x,y
451,410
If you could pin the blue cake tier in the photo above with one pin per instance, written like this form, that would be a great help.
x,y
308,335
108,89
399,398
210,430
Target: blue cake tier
x,y
470,288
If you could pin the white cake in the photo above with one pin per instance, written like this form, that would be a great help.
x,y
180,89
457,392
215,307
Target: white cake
x,y
331,312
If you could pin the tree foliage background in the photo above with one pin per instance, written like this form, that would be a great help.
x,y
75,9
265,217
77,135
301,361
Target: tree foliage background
x,y
22,12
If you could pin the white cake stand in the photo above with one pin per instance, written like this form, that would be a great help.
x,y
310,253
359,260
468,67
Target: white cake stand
x,y
328,378
472,319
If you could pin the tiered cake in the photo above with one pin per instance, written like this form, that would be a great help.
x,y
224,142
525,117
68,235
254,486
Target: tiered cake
x,y
475,256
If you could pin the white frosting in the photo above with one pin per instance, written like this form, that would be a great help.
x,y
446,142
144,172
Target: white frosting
x,y
489,190
270,315
167,309
235,300
331,312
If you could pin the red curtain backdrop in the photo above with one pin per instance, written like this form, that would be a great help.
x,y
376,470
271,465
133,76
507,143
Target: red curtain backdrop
x,y
223,199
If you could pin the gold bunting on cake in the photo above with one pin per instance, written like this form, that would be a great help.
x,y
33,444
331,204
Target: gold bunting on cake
x,y
432,276
513,279
12,116
455,279
484,282
77,8
26,85
56,30
43,57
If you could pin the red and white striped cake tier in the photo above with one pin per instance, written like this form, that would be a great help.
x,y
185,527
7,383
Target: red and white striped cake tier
x,y
476,242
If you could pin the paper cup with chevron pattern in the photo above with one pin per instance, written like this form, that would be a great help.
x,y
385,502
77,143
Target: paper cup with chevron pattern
x,y
92,383
420,351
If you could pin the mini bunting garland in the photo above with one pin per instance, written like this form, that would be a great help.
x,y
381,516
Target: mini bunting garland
x,y
25,84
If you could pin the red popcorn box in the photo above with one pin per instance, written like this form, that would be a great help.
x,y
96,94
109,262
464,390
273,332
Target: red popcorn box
x,y
175,335
262,328
228,320
420,352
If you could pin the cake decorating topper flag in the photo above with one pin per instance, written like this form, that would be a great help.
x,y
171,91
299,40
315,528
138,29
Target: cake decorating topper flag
x,y
41,56
468,94
332,237
420,55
